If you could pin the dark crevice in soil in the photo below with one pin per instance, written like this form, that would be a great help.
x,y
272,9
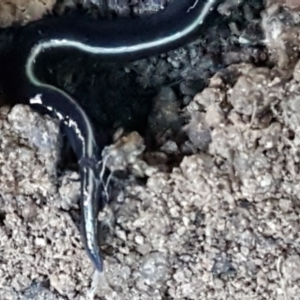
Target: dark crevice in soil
x,y
122,95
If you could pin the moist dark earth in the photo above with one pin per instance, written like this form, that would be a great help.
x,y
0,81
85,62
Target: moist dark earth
x,y
203,145
131,88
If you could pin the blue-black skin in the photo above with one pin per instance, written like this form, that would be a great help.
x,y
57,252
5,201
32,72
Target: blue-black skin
x,y
20,85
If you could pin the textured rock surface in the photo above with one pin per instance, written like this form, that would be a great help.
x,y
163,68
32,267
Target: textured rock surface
x,y
23,11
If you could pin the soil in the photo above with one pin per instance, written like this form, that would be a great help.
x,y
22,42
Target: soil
x,y
204,201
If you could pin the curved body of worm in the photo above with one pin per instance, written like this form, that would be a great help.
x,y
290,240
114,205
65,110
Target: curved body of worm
x,y
122,39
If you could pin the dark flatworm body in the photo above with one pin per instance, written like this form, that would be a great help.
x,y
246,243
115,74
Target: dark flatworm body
x,y
121,39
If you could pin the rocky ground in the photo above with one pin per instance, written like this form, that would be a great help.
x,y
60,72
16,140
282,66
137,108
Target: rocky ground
x,y
206,197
